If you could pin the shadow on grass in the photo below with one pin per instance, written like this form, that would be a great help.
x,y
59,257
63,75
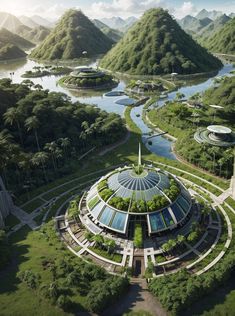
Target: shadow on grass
x,y
9,280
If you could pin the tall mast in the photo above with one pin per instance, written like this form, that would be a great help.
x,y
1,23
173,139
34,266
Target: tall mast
x,y
139,160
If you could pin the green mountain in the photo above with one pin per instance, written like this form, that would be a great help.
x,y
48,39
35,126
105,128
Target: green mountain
x,y
213,27
222,41
35,35
157,45
73,35
191,24
10,51
208,14
6,37
114,35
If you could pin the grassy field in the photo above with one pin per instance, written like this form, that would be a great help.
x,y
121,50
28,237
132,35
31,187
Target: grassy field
x,y
28,249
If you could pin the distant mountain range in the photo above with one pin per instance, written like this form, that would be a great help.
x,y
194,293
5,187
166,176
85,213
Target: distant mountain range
x,y
223,40
118,23
35,29
206,25
208,14
7,37
113,34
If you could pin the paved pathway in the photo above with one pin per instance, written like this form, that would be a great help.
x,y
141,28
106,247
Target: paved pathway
x,y
137,298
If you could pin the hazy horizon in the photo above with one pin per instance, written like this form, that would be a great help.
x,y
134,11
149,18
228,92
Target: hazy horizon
x,y
53,9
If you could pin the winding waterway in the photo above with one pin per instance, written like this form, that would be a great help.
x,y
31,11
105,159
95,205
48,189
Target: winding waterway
x,y
160,145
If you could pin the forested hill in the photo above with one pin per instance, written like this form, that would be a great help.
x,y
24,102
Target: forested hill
x,y
222,41
7,37
10,51
42,132
73,35
157,45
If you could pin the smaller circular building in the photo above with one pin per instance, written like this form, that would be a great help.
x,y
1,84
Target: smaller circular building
x,y
216,135
84,77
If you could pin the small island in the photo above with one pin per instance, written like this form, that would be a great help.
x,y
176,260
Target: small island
x,y
43,71
84,77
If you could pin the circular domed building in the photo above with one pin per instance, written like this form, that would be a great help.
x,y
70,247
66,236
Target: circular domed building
x,y
216,135
84,77
136,194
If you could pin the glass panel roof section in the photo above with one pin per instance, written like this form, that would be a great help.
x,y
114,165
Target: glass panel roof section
x,y
183,204
106,216
151,192
179,215
91,193
167,217
186,194
119,221
156,222
113,182
149,183
97,209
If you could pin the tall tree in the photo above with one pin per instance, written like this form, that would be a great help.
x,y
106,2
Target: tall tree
x,y
32,123
14,115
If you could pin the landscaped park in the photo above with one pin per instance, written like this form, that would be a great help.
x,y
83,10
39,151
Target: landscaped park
x,y
120,203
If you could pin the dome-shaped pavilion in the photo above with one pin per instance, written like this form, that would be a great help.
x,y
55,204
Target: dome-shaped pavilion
x,y
142,194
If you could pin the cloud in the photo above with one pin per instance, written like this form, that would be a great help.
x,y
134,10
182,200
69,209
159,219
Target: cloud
x,y
187,8
123,8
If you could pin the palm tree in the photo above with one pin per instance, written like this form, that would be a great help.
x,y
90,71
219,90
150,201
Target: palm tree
x,y
14,115
40,159
213,151
32,123
38,87
5,150
65,143
51,148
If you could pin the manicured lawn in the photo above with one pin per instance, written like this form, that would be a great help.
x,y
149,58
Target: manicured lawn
x,y
16,298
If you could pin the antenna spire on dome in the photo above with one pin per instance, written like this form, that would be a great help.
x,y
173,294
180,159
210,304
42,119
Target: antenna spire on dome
x,y
139,160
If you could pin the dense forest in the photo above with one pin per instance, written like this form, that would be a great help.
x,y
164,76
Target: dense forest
x,y
222,41
157,45
73,35
42,131
181,121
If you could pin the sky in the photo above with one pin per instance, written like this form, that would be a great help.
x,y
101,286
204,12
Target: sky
x,y
53,9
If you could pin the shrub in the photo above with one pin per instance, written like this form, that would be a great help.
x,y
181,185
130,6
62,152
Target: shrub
x,y
138,236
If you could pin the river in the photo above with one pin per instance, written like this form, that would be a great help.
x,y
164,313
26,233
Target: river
x,y
160,145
